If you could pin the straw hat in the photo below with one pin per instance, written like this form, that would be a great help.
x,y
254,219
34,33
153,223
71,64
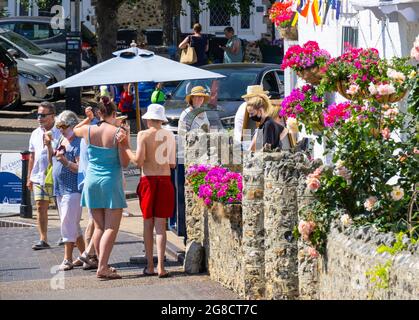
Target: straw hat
x,y
155,112
255,90
198,91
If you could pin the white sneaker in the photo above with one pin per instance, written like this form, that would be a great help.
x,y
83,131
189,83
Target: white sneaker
x,y
66,265
126,214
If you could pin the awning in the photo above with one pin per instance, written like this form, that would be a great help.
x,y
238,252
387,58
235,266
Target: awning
x,y
409,9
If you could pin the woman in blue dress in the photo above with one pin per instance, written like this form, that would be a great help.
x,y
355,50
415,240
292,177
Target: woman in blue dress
x,y
198,41
103,189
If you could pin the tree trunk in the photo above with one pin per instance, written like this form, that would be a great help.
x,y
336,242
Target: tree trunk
x,y
107,27
170,9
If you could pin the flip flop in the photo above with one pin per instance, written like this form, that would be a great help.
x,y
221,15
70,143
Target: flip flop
x,y
165,275
109,276
147,274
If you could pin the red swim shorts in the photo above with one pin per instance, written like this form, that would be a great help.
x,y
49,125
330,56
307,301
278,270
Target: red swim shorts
x,y
157,196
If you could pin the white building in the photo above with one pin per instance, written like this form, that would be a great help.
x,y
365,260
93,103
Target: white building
x,y
389,26
87,11
251,27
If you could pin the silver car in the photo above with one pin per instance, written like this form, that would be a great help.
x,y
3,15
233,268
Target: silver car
x,y
33,83
52,62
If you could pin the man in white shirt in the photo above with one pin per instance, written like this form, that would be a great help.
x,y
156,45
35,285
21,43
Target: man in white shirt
x,y
38,165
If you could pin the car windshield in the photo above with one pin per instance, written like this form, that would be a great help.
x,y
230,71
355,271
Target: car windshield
x,y
232,87
23,43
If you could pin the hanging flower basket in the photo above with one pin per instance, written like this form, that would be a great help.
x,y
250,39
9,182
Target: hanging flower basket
x,y
289,33
311,75
392,98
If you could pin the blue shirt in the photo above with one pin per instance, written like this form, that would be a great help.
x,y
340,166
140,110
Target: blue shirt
x,y
65,181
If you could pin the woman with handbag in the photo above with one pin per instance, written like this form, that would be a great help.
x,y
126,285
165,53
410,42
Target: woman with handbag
x,y
197,42
64,154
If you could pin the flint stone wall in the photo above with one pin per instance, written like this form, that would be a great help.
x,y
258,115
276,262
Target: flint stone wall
x,y
255,254
352,252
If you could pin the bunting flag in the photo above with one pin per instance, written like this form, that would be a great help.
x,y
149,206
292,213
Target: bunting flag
x,y
315,12
338,4
326,10
295,20
304,12
296,4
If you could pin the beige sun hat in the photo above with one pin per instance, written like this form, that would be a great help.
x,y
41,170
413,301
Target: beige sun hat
x,y
198,91
255,90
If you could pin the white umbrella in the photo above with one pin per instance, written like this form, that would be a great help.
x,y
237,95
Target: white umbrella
x,y
135,65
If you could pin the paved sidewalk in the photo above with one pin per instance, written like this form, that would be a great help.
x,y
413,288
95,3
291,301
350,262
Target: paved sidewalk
x,y
28,274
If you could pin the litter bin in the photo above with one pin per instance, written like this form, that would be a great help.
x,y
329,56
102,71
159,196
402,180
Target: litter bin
x,y
154,37
124,38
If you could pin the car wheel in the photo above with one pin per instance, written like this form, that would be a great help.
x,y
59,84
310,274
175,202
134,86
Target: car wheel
x,y
14,105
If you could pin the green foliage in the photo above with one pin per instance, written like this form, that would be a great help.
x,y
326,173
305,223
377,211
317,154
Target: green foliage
x,y
379,275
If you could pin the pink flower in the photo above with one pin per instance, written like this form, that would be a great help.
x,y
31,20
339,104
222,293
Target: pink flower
x,y
391,113
313,252
305,228
313,184
372,89
414,53
385,89
353,89
207,201
415,150
386,133
370,203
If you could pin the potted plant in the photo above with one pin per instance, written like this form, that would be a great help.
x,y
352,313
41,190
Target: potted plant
x,y
281,16
219,188
308,61
306,107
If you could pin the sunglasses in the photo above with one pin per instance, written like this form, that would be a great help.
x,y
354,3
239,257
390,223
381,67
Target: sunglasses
x,y
43,115
61,126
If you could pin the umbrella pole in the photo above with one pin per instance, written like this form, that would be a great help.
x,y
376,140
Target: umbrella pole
x,y
137,107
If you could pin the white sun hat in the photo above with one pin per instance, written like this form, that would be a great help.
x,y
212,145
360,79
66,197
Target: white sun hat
x,y
155,111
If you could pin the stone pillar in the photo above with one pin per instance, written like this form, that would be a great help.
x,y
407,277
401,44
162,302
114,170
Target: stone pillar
x,y
253,228
196,214
308,267
281,265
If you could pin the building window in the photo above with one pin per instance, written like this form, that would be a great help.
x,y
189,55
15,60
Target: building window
x,y
349,37
245,21
218,17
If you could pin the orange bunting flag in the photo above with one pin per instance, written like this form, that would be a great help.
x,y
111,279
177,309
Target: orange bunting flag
x,y
304,12
315,12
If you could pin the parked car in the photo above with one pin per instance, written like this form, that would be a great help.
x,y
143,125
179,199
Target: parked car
x,y
9,82
39,31
22,48
33,83
231,88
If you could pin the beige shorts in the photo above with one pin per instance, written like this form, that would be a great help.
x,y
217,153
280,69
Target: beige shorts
x,y
43,193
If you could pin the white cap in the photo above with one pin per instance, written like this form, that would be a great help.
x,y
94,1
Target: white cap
x,y
155,111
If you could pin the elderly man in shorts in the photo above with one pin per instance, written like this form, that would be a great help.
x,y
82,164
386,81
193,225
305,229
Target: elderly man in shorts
x,y
38,165
156,155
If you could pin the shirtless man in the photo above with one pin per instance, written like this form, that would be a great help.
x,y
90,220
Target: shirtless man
x,y
156,155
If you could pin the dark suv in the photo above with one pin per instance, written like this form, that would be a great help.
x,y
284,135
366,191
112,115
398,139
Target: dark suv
x,y
39,30
9,80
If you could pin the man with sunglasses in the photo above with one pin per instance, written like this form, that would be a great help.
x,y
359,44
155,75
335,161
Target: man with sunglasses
x,y
38,165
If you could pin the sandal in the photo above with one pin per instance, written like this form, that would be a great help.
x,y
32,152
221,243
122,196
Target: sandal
x,y
147,274
109,276
165,275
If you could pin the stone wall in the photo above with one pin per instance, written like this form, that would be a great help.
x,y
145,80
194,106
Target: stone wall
x,y
146,14
352,252
252,250
252,253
